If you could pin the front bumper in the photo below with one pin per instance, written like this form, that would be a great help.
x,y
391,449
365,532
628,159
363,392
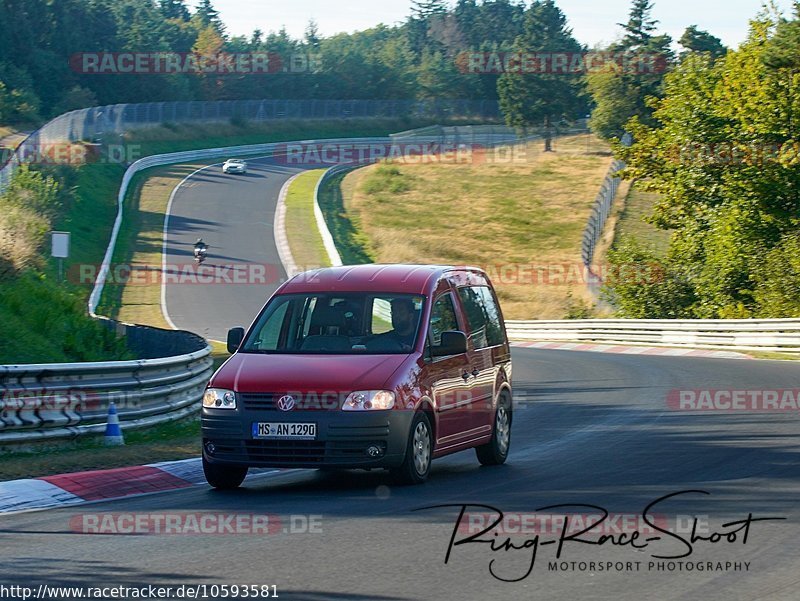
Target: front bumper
x,y
342,440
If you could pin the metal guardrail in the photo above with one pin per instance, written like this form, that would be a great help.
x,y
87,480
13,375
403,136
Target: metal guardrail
x,y
61,400
777,335
116,119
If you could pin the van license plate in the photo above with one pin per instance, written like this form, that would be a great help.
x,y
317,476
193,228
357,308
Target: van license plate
x,y
298,431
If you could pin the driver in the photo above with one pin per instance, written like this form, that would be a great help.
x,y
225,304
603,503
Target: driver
x,y
403,321
200,246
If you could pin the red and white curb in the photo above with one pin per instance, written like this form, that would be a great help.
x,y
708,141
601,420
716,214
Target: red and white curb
x,y
83,487
632,350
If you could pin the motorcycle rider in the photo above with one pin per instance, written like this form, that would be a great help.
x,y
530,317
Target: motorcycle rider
x,y
200,247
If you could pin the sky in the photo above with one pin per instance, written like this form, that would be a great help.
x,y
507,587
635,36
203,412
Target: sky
x,y
593,21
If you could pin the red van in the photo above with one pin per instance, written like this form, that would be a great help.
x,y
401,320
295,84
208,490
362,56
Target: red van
x,y
367,366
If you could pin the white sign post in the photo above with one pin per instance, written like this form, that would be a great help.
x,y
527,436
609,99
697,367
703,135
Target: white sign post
x,y
60,250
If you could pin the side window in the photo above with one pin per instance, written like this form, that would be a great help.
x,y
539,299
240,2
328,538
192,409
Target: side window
x,y
443,318
494,326
476,316
267,339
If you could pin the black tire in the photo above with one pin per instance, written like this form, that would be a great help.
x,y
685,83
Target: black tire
x,y
495,451
223,477
419,452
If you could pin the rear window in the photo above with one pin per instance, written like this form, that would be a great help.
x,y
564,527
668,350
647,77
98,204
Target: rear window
x,y
483,316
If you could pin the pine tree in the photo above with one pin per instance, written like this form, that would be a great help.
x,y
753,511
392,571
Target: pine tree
x,y
174,9
640,25
622,89
207,16
540,98
312,34
696,40
422,9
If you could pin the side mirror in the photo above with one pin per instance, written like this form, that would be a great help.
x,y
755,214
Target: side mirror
x,y
235,337
453,342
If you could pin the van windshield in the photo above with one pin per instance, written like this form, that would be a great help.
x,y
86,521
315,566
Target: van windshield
x,y
337,323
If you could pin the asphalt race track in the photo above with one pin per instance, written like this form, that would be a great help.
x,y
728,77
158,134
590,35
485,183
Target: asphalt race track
x,y
589,428
234,215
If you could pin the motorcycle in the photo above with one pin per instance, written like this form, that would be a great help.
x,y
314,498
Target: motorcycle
x,y
200,254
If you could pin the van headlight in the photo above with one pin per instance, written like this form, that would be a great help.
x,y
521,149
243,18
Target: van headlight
x,y
368,400
218,398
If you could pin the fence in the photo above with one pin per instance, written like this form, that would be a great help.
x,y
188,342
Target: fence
x,y
778,335
97,122
601,208
60,400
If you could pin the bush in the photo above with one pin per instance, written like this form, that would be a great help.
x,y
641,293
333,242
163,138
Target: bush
x,y
27,208
577,309
777,280
386,178
643,286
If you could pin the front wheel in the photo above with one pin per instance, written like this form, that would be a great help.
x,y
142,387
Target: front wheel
x,y
223,477
496,450
417,462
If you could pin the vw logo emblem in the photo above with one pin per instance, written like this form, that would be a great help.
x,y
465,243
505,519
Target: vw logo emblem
x,y
286,403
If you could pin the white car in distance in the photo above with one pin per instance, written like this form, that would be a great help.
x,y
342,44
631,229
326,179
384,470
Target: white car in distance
x,y
234,166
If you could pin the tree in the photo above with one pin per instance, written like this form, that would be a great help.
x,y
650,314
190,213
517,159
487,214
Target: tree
x,y
312,34
635,73
784,47
640,25
696,40
76,98
541,98
208,47
423,9
722,154
205,15
174,9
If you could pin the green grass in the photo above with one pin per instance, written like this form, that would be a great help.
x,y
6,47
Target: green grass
x,y
42,322
305,240
165,442
350,242
89,219
516,218
631,224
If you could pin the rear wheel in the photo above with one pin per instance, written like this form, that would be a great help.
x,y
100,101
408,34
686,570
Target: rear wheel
x,y
496,450
417,462
223,477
